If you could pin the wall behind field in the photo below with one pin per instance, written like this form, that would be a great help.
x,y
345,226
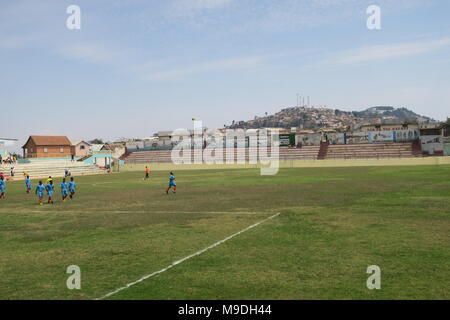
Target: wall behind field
x,y
291,164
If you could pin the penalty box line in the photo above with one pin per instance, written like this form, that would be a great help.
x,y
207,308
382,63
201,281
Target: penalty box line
x,y
185,258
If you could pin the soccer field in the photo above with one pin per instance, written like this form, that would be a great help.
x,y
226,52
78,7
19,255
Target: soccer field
x,y
333,224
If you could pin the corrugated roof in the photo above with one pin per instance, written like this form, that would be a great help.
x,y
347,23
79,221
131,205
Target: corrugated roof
x,y
96,147
50,140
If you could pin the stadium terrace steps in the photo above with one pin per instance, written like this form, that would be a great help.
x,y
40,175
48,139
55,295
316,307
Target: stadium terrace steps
x,y
371,151
54,168
165,156
353,151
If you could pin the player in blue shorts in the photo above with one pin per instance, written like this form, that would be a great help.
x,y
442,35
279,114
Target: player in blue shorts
x,y
72,187
64,191
28,184
172,183
40,192
2,187
49,187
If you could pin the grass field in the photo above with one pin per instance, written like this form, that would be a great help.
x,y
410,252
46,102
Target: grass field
x,y
334,223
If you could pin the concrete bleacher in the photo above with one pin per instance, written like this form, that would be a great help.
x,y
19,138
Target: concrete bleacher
x,y
165,156
371,151
54,168
349,151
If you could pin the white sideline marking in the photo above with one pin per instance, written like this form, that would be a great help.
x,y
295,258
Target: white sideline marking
x,y
188,212
184,259
158,212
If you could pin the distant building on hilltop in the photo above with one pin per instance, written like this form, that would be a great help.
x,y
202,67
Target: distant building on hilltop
x,y
388,126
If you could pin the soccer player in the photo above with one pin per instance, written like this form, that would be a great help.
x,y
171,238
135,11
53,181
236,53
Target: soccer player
x,y
2,187
48,180
40,192
64,191
49,189
28,183
147,172
72,187
172,183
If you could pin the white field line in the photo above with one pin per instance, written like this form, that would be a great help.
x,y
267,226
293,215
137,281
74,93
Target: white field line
x,y
188,212
184,259
96,184
106,182
159,212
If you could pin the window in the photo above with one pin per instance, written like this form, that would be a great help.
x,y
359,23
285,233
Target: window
x,y
61,150
31,150
82,147
45,150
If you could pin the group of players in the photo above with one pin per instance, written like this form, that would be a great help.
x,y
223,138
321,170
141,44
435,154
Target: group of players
x,y
67,189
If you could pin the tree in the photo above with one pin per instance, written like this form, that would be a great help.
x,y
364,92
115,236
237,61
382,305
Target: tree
x,y
446,126
96,141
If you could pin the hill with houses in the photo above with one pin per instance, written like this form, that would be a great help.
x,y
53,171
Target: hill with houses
x,y
311,118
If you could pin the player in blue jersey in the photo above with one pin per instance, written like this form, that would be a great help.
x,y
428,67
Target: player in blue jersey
x,y
64,191
28,184
40,192
49,187
2,187
72,186
172,183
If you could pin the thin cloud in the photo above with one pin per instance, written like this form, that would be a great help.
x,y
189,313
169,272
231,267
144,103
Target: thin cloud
x,y
383,52
210,66
191,7
88,52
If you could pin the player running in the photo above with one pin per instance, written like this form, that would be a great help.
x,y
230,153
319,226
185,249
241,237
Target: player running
x,y
2,187
28,183
40,192
49,189
64,191
172,183
147,172
72,187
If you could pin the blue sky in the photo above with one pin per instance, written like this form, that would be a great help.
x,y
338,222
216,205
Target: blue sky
x,y
139,66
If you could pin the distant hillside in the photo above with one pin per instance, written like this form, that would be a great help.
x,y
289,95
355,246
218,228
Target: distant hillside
x,y
391,112
321,117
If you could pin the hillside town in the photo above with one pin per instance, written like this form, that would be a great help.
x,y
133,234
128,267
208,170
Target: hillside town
x,y
320,117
